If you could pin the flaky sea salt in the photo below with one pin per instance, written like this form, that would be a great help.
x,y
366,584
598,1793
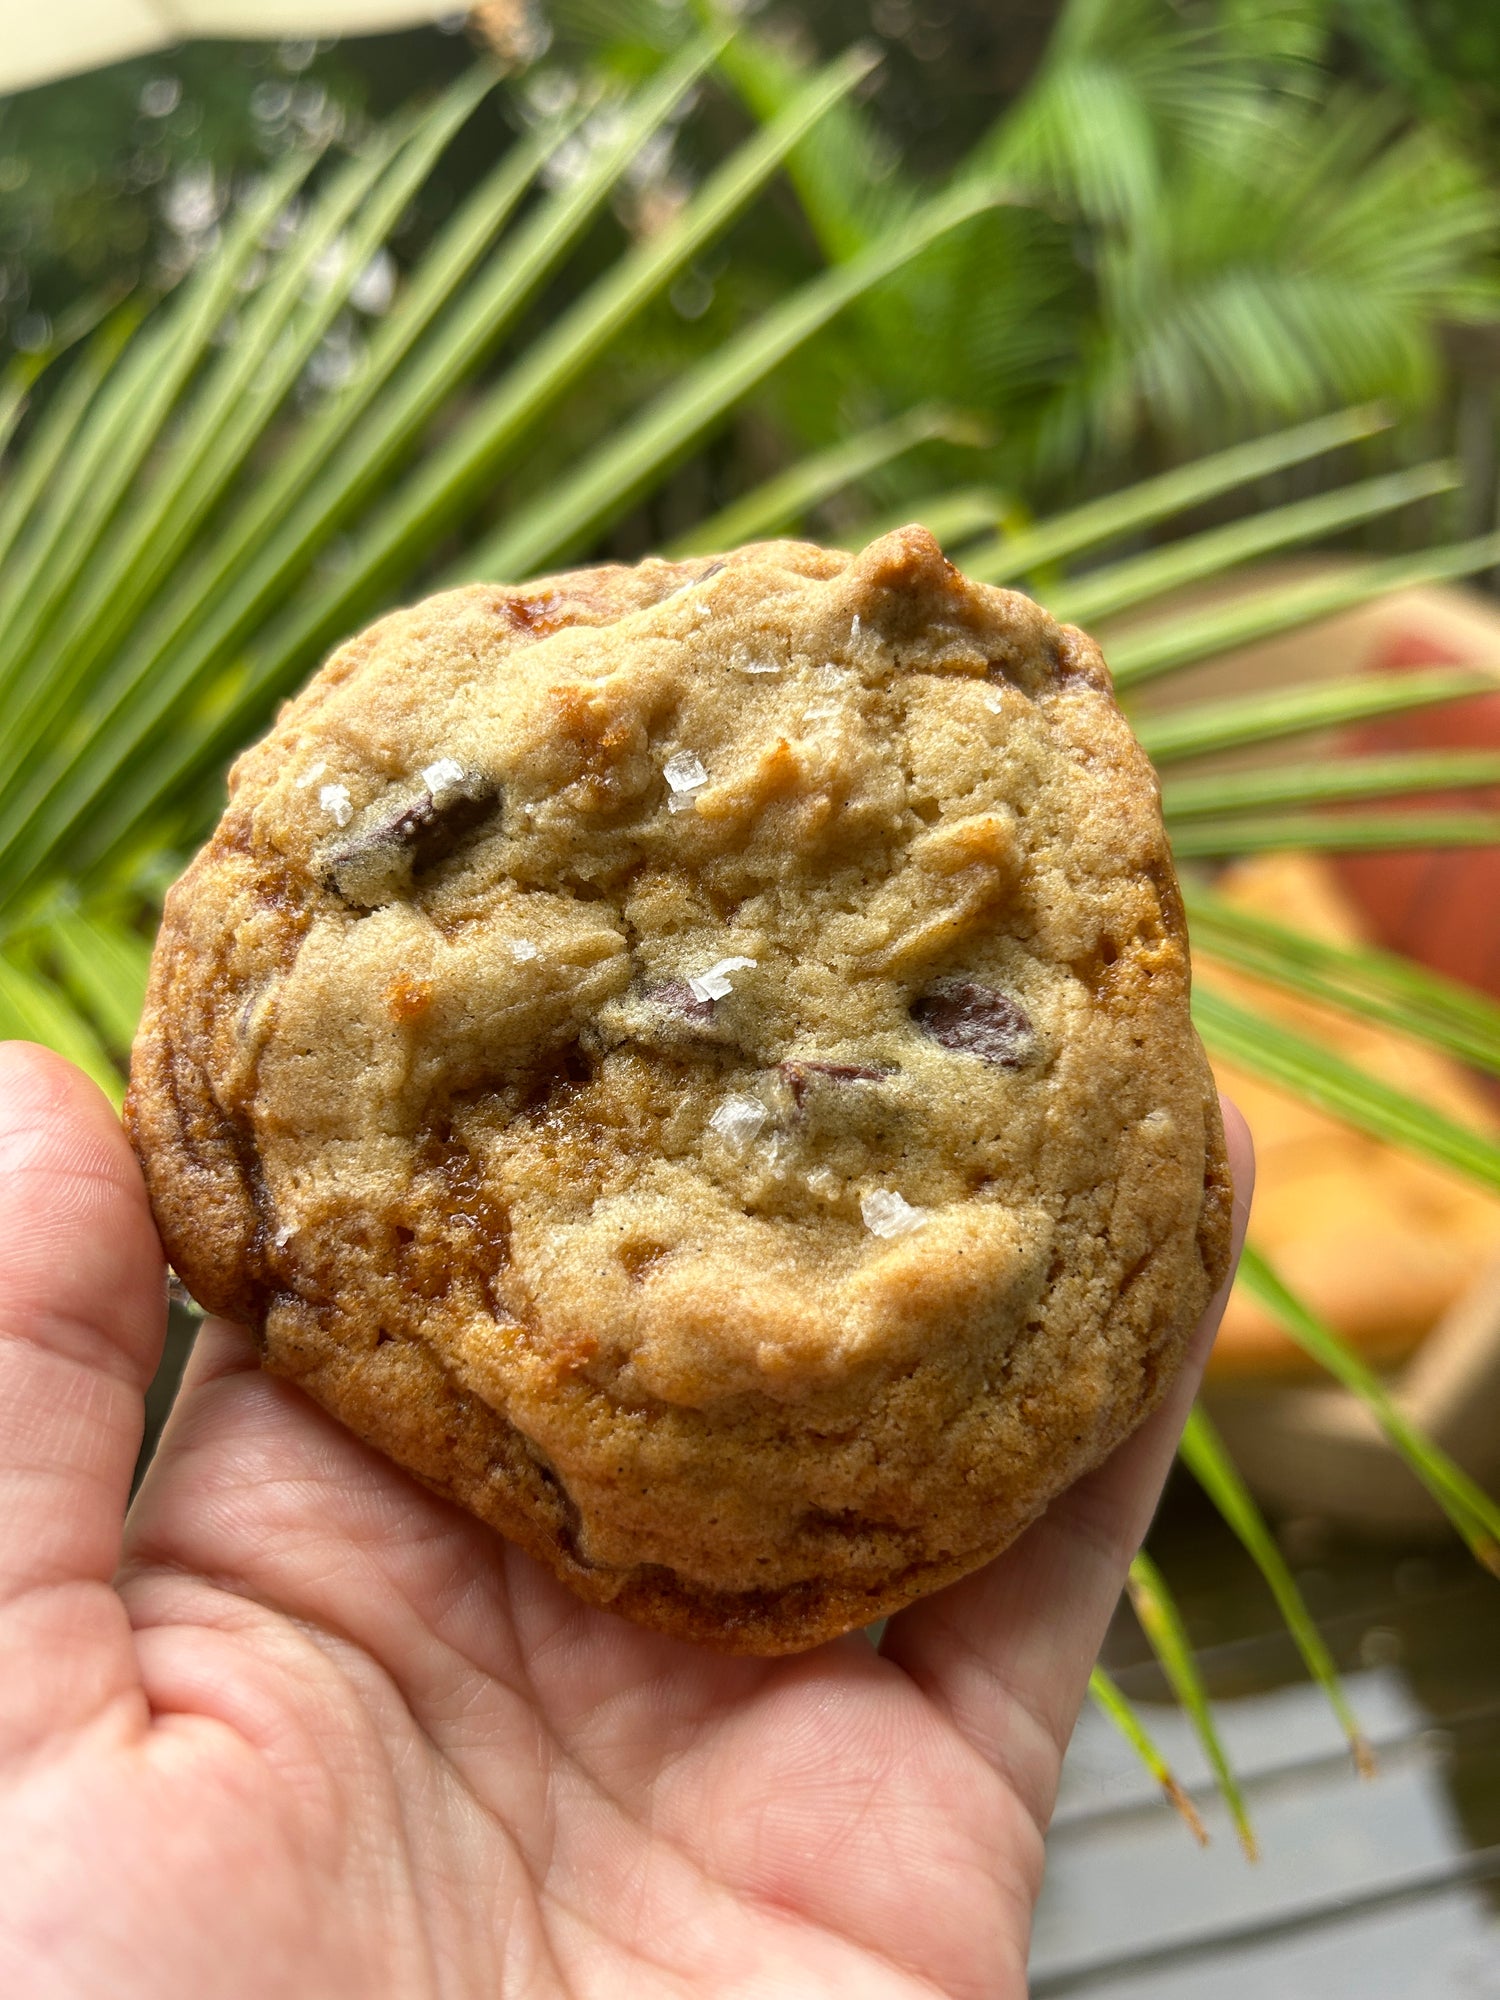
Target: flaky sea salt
x,y
739,1119
685,778
442,776
283,1236
522,948
334,799
757,667
887,1213
823,1182
311,775
714,984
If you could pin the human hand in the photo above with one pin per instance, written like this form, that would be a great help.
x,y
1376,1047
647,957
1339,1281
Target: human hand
x,y
302,1728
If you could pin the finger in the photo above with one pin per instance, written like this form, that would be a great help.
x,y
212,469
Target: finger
x,y
1008,1651
82,1317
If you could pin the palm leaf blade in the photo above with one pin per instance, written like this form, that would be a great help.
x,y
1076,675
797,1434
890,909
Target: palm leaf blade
x,y
1202,728
1110,1701
606,483
1203,1452
1470,1509
1334,833
1324,783
1161,1621
1152,500
1120,586
1316,1075
1186,638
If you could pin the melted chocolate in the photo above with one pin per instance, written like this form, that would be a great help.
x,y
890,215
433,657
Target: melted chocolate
x,y
402,835
975,1020
675,996
799,1075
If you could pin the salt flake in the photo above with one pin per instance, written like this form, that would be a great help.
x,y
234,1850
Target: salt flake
x,y
685,778
713,984
739,1119
283,1236
442,776
335,799
522,948
311,775
887,1213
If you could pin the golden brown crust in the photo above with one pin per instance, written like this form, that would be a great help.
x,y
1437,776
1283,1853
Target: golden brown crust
x,y
757,1307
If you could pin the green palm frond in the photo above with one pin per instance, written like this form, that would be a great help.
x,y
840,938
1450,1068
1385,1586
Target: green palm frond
x,y
1280,1056
784,500
1236,722
1468,1507
34,1008
1110,1701
1375,985
1345,778
1135,509
1203,1452
1161,1621
1334,833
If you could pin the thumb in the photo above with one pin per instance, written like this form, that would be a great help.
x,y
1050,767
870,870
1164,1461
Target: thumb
x,y
82,1316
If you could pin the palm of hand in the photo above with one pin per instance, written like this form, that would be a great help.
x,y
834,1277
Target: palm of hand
x,y
322,1734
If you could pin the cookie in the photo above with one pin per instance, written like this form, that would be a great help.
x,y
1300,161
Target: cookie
x,y
693,1061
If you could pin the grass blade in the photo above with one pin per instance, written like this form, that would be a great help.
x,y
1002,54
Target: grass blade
x,y
1109,1700
1202,728
32,1009
1376,984
1161,1621
1152,500
1319,1077
1334,833
1204,1454
606,483
1103,593
781,503
1468,1507
1187,637
1320,784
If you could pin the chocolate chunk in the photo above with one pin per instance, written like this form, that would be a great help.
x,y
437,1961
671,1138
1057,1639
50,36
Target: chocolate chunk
x,y
799,1074
402,834
675,996
975,1020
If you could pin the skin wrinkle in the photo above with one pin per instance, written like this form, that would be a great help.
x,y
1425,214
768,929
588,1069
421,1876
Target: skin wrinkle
x,y
1017,1772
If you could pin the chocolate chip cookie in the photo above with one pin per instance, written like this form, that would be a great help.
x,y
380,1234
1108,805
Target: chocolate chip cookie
x,y
693,1061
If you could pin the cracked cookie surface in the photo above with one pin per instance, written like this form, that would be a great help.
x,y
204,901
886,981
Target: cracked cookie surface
x,y
694,1062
